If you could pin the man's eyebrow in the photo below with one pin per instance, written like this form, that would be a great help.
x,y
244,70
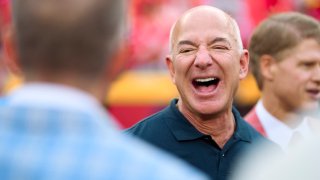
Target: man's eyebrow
x,y
219,39
186,42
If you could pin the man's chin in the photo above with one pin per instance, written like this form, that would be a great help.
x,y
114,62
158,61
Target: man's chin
x,y
310,108
207,113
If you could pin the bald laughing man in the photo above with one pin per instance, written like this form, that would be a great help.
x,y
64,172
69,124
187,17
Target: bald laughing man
x,y
206,63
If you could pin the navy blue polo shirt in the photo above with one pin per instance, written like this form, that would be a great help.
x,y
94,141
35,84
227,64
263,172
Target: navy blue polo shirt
x,y
172,132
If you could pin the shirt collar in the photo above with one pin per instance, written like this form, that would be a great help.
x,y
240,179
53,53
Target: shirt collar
x,y
183,130
52,95
57,96
242,128
276,130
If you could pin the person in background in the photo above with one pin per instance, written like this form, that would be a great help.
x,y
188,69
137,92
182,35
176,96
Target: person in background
x,y
285,60
53,126
206,63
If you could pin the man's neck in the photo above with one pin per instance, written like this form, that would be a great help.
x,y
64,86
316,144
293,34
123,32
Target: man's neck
x,y
96,87
291,118
220,128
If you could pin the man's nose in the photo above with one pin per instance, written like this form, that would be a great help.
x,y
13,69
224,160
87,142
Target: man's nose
x,y
316,73
203,59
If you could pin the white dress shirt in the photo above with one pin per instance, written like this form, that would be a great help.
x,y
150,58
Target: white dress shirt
x,y
276,130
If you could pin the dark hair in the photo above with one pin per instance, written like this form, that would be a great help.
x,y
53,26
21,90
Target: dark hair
x,y
77,36
278,33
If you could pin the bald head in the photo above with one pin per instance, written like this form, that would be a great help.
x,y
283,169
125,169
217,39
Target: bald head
x,y
205,13
67,36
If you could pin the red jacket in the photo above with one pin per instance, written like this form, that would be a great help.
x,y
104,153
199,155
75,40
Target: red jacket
x,y
254,121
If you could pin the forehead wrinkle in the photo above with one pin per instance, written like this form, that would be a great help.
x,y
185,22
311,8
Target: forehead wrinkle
x,y
186,42
219,39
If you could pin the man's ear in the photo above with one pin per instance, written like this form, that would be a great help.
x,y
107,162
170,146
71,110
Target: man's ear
x,y
244,64
267,65
170,66
10,51
112,70
119,62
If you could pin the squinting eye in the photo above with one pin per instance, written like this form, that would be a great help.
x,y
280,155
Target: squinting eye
x,y
185,50
220,47
308,64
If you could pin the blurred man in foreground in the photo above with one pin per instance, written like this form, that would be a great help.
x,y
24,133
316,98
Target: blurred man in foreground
x,y
54,127
285,60
206,63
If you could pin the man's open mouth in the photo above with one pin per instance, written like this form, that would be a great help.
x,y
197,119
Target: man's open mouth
x,y
314,93
205,84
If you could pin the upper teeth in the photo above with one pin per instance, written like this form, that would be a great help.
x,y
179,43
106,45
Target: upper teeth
x,y
205,80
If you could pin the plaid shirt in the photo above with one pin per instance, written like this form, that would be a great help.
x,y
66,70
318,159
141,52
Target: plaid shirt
x,y
38,144
49,143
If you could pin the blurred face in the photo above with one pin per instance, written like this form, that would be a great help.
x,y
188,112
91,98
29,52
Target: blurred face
x,y
206,64
297,77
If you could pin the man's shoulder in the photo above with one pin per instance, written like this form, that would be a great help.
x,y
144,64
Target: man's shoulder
x,y
255,137
258,138
253,132
55,123
51,120
253,119
155,160
246,129
251,116
151,123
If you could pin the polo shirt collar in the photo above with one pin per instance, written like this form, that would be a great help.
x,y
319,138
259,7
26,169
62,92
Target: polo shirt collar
x,y
242,129
183,130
